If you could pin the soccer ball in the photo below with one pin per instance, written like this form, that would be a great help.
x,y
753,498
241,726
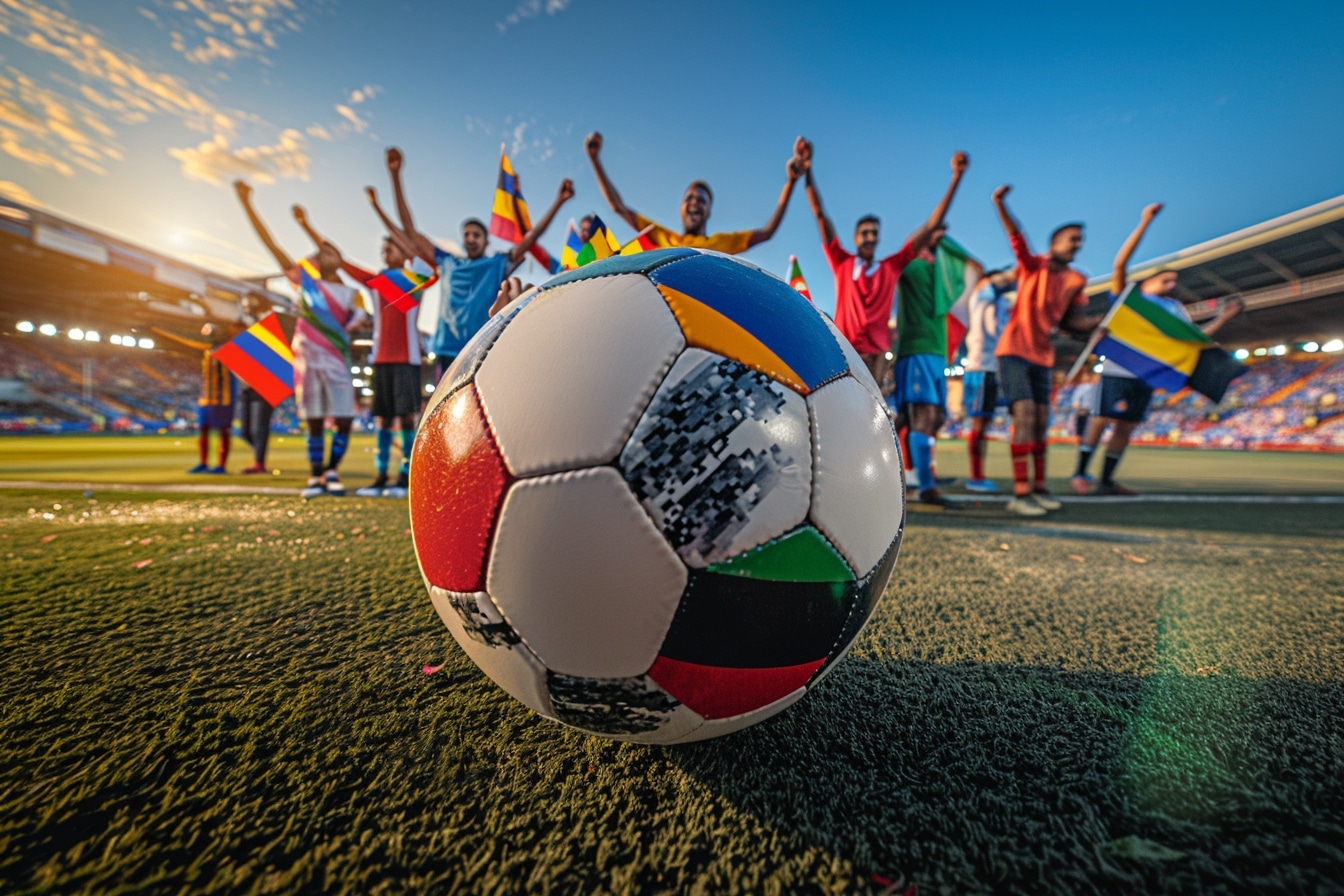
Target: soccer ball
x,y
658,497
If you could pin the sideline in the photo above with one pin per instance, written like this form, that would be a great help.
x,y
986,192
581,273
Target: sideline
x,y
180,488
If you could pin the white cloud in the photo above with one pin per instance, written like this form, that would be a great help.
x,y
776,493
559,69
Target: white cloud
x,y
210,31
350,115
364,94
16,193
216,162
318,132
529,9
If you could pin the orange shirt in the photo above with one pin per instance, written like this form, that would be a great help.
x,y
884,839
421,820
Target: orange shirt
x,y
1043,298
732,242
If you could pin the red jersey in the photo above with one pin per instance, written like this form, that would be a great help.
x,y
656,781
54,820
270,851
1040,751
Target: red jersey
x,y
395,337
863,295
1043,298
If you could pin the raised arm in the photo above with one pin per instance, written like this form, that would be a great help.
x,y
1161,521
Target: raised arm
x,y
593,145
1000,198
421,243
1120,272
960,162
563,195
814,199
1231,308
245,197
395,233
362,275
793,169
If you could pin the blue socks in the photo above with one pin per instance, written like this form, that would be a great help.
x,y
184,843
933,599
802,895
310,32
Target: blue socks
x,y
315,454
407,441
921,453
384,455
339,442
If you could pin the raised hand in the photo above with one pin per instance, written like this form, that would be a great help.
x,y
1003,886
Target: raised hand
x,y
300,214
593,144
243,190
394,159
1002,193
1150,212
566,190
960,162
372,194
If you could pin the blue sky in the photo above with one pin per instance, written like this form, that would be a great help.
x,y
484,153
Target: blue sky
x,y
134,117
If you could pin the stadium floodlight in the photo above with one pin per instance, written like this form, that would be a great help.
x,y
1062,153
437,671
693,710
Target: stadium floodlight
x,y
1334,345
368,371
1279,350
77,334
1260,352
1310,347
47,329
146,343
429,387
115,339
889,356
25,326
430,357
366,392
1096,368
1241,354
354,370
357,382
92,336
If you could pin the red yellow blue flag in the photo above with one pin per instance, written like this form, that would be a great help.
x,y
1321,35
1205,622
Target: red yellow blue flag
x,y
510,219
262,358
601,244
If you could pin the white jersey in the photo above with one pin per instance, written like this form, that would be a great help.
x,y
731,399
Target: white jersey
x,y
985,320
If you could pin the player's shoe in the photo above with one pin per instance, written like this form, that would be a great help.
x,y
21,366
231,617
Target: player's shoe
x,y
983,486
255,468
1082,485
400,489
314,489
934,497
332,481
374,490
200,468
1044,500
1023,505
217,471
1115,488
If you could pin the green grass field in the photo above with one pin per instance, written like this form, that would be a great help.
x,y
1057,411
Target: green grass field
x,y
225,694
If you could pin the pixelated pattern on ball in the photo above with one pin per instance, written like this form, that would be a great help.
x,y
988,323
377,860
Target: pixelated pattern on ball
x,y
721,459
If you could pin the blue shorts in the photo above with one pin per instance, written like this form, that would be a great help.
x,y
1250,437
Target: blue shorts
x,y
979,393
921,379
214,416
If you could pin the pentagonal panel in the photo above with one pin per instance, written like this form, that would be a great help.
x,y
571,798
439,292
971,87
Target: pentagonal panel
x,y
858,500
720,727
721,459
571,374
581,573
468,361
457,479
480,630
633,709
857,368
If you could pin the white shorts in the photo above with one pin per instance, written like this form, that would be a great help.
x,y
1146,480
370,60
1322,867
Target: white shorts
x,y
322,387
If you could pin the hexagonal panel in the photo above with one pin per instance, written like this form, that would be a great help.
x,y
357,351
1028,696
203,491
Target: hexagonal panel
x,y
721,459
858,497
480,630
571,374
579,571
469,360
456,481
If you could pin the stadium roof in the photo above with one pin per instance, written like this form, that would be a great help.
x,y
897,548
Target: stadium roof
x,y
1289,272
67,271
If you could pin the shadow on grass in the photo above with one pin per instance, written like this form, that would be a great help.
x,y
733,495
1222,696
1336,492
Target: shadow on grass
x,y
977,777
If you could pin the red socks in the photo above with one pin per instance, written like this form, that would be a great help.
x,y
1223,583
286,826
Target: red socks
x,y
1038,458
975,443
224,437
203,444
1020,453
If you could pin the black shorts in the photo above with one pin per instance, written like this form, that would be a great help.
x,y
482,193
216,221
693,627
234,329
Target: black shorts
x,y
396,390
1021,380
1122,398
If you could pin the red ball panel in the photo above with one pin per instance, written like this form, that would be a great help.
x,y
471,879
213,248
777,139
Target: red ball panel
x,y
456,485
719,692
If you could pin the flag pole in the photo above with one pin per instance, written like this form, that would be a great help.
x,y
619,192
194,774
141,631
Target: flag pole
x,y
1097,335
634,239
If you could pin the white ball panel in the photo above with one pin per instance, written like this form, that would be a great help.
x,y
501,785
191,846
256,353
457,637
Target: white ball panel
x,y
858,498
720,727
480,630
856,366
571,374
579,570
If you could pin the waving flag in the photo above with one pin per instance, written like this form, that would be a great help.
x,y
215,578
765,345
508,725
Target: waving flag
x,y
262,358
398,286
601,244
953,271
1163,350
796,278
641,243
320,316
510,219
569,256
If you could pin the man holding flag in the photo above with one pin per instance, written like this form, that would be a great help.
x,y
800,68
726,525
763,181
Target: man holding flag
x,y
327,315
929,286
1122,398
472,282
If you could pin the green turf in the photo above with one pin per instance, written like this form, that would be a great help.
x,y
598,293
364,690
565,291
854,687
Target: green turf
x,y
1076,707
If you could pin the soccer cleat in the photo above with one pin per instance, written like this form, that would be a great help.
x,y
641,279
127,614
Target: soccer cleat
x,y
1081,485
1045,501
983,486
934,497
376,489
255,468
315,488
199,468
400,490
1115,488
1023,505
332,481
218,471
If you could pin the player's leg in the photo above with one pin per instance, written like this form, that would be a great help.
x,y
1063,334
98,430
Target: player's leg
x,y
309,398
1130,406
1041,443
225,422
340,390
1082,481
261,414
408,393
202,440
1015,380
383,413
978,400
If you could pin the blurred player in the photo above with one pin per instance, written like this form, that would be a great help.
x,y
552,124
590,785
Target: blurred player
x,y
1084,397
214,409
254,412
696,204
865,286
1121,399
472,283
1049,296
987,316
322,384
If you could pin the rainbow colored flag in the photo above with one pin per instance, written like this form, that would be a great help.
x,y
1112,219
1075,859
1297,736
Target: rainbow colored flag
x,y
319,313
262,358
569,256
796,278
398,287
510,219
1163,350
601,244
641,243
